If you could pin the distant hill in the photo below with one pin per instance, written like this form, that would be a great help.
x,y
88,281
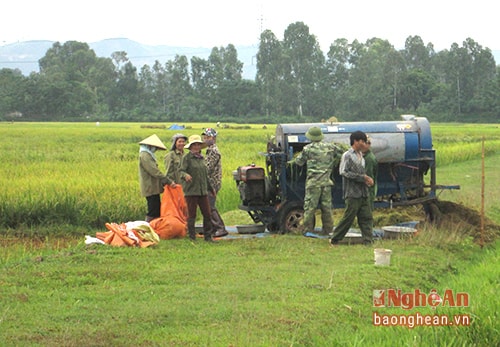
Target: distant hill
x,y
25,55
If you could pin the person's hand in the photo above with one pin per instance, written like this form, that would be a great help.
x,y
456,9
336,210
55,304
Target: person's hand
x,y
369,181
188,178
173,185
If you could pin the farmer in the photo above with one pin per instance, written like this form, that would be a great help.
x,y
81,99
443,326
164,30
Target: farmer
x,y
173,159
214,167
196,186
321,157
151,179
355,184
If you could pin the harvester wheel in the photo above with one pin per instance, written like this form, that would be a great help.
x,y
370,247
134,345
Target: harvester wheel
x,y
291,217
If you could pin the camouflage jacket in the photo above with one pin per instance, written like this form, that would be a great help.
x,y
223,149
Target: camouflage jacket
x,y
321,157
214,166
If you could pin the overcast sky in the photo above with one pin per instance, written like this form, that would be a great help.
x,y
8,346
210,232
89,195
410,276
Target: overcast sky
x,y
205,23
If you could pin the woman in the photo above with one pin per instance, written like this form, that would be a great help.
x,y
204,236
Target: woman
x,y
151,179
194,178
173,159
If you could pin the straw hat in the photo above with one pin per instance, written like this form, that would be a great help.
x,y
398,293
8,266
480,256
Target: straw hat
x,y
195,139
314,134
154,141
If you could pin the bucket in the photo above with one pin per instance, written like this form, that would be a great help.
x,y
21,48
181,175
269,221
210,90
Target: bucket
x,y
382,256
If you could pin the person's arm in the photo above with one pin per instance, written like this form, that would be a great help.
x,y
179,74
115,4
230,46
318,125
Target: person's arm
x,y
183,169
150,166
212,160
169,168
350,169
300,159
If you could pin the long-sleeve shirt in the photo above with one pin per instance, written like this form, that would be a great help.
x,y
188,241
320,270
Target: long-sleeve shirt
x,y
194,165
172,164
321,158
151,179
371,168
214,167
352,170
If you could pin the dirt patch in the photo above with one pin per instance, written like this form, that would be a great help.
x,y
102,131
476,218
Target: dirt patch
x,y
454,215
446,215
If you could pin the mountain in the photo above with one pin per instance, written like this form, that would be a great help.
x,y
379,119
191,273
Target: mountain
x,y
25,55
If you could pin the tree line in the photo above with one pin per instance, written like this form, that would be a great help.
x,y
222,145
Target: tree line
x,y
295,81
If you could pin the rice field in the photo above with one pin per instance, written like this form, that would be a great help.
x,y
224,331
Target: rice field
x,y
76,176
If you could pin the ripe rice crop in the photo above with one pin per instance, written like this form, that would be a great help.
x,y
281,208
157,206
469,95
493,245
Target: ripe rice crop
x,y
83,175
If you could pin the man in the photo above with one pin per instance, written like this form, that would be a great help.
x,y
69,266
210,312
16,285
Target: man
x,y
355,184
321,157
371,168
214,167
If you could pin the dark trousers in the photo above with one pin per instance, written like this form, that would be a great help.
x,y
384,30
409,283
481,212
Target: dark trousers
x,y
217,222
361,209
154,204
193,202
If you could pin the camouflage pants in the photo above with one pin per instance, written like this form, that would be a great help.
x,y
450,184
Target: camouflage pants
x,y
318,197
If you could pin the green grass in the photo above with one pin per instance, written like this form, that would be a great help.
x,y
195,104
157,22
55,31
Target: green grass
x,y
272,291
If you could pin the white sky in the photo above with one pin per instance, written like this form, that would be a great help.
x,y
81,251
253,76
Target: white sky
x,y
205,23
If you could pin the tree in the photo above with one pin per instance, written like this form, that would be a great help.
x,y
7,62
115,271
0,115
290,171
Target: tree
x,y
12,91
199,79
270,72
337,67
179,86
65,71
304,61
416,54
373,78
126,94
416,88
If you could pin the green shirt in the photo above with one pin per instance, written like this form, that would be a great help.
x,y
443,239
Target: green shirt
x,y
172,164
195,167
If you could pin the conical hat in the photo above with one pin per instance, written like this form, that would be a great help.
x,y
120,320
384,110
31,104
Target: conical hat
x,y
153,140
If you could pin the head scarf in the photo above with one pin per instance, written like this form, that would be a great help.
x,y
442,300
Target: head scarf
x,y
149,149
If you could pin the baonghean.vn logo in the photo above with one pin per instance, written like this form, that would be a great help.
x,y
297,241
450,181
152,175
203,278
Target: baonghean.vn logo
x,y
417,298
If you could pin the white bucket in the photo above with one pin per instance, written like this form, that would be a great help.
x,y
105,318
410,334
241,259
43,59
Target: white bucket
x,y
382,256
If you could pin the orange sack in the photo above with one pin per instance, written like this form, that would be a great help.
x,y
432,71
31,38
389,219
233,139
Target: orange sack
x,y
173,220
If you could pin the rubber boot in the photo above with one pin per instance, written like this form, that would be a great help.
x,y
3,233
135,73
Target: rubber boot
x,y
207,229
191,228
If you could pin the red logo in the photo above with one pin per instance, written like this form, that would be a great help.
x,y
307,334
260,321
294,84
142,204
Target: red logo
x,y
417,298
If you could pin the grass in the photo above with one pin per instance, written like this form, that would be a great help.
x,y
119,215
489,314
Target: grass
x,y
279,290
273,291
